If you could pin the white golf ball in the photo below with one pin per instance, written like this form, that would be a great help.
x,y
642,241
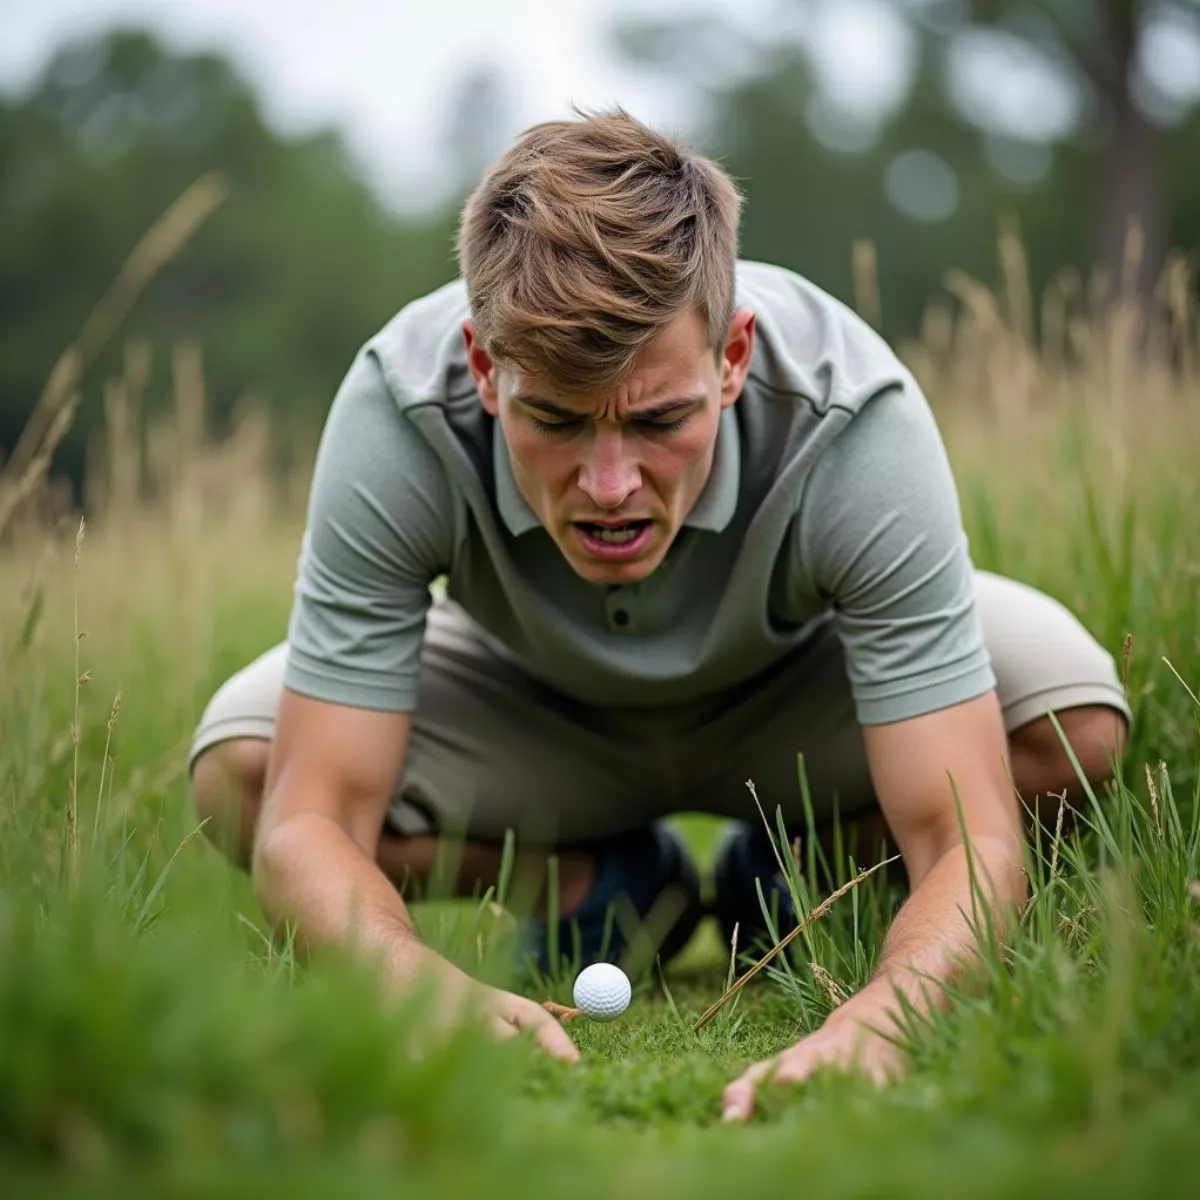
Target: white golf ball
x,y
602,991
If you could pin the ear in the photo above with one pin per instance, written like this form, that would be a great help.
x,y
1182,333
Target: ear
x,y
736,356
483,370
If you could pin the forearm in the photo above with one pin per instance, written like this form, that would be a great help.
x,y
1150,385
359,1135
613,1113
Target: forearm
x,y
310,873
931,937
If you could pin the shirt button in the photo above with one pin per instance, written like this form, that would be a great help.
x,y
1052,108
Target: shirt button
x,y
621,617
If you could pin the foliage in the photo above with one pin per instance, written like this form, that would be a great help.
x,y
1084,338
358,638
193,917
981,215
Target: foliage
x,y
295,272
302,264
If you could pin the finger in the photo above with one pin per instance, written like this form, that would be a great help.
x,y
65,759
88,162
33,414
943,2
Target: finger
x,y
551,1036
885,1070
737,1101
502,1028
554,1038
796,1068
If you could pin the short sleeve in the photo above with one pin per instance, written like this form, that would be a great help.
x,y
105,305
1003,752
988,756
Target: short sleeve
x,y
380,529
879,537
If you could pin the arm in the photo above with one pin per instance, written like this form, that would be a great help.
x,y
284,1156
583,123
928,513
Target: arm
x,y
331,775
380,528
879,538
913,764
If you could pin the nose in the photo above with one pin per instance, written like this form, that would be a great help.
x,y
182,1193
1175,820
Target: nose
x,y
609,475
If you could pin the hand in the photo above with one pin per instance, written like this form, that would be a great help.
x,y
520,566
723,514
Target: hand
x,y
844,1041
508,1015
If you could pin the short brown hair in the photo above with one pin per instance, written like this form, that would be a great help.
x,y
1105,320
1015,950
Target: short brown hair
x,y
587,237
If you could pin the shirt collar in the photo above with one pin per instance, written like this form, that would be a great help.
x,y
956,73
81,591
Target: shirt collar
x,y
713,510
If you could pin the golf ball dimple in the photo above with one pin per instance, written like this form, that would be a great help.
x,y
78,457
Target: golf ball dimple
x,y
602,991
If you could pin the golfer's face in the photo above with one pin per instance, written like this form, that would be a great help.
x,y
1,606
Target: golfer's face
x,y
612,474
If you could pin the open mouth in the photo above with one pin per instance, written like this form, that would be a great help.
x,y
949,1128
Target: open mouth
x,y
614,541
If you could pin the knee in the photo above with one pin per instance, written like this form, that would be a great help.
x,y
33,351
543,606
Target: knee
x,y
1044,771
227,787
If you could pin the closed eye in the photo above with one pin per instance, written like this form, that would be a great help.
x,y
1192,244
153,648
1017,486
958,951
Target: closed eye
x,y
661,426
554,426
653,427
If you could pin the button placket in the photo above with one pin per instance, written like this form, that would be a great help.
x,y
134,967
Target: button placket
x,y
619,609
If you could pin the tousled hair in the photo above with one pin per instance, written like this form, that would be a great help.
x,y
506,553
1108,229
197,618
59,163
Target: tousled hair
x,y
587,237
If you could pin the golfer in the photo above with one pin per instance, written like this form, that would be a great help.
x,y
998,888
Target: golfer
x,y
695,519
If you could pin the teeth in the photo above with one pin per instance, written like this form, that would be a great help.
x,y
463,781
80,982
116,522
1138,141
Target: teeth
x,y
617,535
627,534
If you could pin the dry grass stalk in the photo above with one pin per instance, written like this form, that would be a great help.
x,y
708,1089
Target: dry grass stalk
x,y
1101,353
1171,668
1075,927
15,491
1058,828
76,738
767,826
56,406
865,271
106,765
1015,273
1158,825
813,917
828,984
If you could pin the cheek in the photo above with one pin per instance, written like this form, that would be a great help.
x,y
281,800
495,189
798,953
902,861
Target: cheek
x,y
679,463
539,460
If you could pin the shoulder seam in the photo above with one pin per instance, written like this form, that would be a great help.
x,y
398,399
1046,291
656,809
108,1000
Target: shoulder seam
x,y
809,400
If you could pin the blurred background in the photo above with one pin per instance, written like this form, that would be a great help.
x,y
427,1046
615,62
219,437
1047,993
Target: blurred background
x,y
348,134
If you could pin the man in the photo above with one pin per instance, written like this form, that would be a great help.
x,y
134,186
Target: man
x,y
696,518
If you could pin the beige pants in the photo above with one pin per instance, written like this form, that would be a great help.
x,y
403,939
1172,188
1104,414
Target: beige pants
x,y
492,749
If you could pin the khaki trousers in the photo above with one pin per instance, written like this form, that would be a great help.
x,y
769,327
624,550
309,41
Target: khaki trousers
x,y
492,749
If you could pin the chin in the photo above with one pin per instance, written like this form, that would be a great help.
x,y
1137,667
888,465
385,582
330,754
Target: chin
x,y
613,572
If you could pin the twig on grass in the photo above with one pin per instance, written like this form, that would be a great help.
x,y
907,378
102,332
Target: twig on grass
x,y
812,918
561,1011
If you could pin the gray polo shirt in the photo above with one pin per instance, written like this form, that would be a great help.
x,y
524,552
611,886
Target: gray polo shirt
x,y
830,500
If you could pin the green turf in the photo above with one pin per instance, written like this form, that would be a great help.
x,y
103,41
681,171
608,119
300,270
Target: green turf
x,y
154,1041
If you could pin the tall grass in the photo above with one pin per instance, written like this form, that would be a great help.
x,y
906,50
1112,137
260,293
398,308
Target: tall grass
x,y
153,1031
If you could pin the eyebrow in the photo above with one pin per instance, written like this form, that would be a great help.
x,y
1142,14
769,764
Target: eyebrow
x,y
653,412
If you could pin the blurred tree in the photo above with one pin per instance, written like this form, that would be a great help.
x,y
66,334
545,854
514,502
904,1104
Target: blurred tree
x,y
927,176
1111,47
282,285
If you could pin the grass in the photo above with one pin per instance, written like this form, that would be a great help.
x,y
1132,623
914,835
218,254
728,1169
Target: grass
x,y
156,1041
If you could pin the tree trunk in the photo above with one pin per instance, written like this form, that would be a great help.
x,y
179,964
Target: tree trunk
x,y
1129,189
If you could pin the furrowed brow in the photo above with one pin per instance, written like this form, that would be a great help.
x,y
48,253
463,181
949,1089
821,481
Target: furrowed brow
x,y
650,413
547,408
